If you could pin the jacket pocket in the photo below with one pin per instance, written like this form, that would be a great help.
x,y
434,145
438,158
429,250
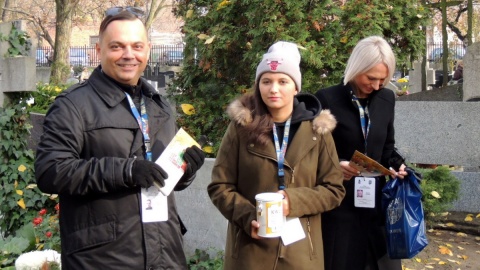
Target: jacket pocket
x,y
236,242
91,236
311,240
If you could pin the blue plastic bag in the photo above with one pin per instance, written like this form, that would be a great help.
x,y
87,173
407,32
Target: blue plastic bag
x,y
404,218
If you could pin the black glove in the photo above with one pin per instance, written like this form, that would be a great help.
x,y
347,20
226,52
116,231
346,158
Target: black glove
x,y
144,172
194,157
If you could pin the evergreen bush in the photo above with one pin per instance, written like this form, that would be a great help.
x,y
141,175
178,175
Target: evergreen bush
x,y
225,41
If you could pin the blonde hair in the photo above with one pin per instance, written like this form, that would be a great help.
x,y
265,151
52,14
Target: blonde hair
x,y
368,53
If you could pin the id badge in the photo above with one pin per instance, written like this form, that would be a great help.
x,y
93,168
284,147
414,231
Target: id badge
x,y
154,205
364,192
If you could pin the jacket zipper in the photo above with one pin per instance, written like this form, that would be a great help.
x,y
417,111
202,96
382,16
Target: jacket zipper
x,y
293,175
309,235
286,165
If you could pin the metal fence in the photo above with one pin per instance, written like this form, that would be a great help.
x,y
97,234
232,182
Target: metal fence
x,y
87,55
456,50
173,54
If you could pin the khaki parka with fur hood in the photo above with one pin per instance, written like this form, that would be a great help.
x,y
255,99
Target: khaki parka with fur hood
x,y
313,180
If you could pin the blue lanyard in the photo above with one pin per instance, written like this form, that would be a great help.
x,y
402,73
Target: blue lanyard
x,y
363,112
142,120
281,152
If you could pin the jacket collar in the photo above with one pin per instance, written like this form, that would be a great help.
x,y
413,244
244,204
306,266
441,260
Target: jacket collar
x,y
323,121
103,86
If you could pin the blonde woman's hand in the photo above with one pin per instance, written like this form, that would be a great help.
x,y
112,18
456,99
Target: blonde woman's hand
x,y
401,171
348,171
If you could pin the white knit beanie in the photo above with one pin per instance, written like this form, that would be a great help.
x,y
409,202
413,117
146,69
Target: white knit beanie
x,y
282,57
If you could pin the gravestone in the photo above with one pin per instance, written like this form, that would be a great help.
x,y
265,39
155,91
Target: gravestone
x,y
17,74
415,77
471,73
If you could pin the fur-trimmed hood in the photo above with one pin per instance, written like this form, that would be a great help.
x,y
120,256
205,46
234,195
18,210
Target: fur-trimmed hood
x,y
306,108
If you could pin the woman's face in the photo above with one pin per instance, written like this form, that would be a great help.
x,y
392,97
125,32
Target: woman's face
x,y
278,91
372,80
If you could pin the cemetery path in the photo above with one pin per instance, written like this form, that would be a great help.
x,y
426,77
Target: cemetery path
x,y
454,243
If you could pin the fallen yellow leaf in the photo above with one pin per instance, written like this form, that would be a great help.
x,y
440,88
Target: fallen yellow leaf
x,y
429,266
478,216
461,234
442,262
453,261
31,186
203,36
435,194
448,245
188,109
21,203
210,40
450,224
469,218
189,13
464,257
444,214
22,168
436,259
445,250
461,248
19,192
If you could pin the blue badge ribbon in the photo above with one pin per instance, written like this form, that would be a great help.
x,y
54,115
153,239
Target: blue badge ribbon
x,y
142,120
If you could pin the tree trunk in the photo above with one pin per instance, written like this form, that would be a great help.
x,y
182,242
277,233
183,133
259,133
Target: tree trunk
x,y
152,12
61,67
444,43
470,22
4,4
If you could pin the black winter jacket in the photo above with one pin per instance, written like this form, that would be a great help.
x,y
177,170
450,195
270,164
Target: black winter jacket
x,y
85,155
351,235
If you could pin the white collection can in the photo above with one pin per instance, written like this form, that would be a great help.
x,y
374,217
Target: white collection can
x,y
270,214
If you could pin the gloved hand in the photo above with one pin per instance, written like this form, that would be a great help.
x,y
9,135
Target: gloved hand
x,y
194,157
144,172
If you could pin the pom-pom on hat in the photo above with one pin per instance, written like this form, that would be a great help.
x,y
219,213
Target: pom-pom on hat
x,y
282,57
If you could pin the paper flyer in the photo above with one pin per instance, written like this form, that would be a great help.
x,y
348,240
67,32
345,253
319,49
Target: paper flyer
x,y
367,166
171,160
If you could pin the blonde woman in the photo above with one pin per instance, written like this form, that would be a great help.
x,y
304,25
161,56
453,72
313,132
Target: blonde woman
x,y
354,236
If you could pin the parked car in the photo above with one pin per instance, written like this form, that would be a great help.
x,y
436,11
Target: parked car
x,y
79,57
437,54
41,58
173,58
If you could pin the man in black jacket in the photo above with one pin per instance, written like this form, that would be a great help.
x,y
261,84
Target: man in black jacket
x,y
101,139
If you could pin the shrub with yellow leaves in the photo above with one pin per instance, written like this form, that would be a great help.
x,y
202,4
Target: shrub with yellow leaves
x,y
41,100
440,188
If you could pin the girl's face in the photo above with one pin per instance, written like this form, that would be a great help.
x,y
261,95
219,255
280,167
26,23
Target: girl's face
x,y
278,91
372,80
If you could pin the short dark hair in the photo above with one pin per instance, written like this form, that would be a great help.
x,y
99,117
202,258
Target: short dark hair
x,y
121,16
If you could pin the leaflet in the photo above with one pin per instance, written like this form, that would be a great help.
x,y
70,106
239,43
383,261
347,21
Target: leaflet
x,y
367,166
171,160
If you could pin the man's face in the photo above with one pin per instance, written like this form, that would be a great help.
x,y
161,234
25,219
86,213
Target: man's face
x,y
124,50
